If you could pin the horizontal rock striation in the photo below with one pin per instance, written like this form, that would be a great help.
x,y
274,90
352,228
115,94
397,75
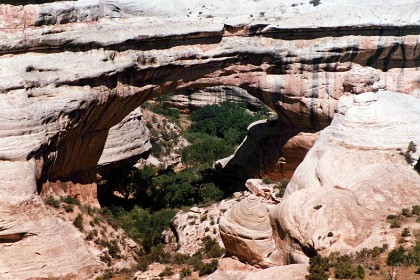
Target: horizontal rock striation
x,y
69,81
128,141
70,71
193,100
246,232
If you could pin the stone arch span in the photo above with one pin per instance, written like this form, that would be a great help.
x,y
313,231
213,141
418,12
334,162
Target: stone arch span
x,y
66,85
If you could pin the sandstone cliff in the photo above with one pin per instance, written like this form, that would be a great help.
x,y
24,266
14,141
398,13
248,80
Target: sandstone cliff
x,y
70,71
354,176
359,171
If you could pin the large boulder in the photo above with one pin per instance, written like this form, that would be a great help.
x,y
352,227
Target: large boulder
x,y
357,172
246,232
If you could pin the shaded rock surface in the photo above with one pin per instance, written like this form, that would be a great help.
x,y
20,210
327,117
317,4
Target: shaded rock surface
x,y
270,149
126,142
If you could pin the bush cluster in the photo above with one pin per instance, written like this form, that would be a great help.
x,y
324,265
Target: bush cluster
x,y
211,250
215,132
343,267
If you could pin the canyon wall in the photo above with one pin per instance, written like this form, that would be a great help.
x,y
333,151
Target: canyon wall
x,y
70,71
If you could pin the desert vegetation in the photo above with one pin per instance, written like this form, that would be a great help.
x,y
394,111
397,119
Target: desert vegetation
x,y
150,198
378,262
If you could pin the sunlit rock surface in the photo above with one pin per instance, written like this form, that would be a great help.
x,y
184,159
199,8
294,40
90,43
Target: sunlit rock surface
x,y
70,71
354,176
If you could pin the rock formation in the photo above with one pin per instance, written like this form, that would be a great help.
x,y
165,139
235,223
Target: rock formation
x,y
268,192
354,176
70,71
126,142
247,234
168,136
231,269
359,171
189,227
214,95
270,149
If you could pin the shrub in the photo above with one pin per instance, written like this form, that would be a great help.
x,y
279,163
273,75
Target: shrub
x,y
92,234
106,259
267,180
209,192
71,200
406,212
415,210
180,258
68,208
208,268
166,272
317,268
51,201
410,149
156,149
405,232
396,257
282,188
78,222
395,223
113,249
315,2
205,150
211,248
344,268
107,275
185,272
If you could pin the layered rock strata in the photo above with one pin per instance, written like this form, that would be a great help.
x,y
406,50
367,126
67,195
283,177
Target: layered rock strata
x,y
70,71
247,234
128,141
355,175
214,95
230,269
360,169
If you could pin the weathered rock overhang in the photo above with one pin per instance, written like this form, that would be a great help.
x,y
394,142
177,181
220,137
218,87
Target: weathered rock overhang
x,y
87,75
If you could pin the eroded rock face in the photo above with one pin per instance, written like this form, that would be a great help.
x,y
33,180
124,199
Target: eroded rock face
x,y
352,178
70,71
246,232
47,243
214,95
126,142
67,78
270,149
191,226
